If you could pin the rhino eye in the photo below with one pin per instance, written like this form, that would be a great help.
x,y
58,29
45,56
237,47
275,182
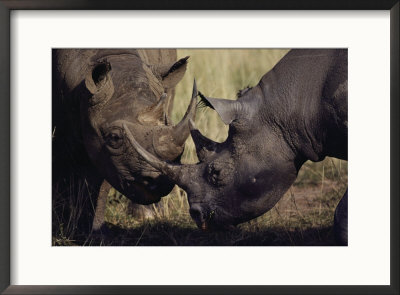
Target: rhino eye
x,y
219,173
115,138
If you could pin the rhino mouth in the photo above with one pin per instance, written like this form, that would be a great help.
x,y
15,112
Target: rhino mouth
x,y
146,191
211,218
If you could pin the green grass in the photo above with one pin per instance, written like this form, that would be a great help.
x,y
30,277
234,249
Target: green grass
x,y
304,216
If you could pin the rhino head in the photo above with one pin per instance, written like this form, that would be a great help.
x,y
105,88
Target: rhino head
x,y
122,90
236,180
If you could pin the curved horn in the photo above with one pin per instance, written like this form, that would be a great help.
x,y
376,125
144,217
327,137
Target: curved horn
x,y
181,131
177,173
168,143
205,147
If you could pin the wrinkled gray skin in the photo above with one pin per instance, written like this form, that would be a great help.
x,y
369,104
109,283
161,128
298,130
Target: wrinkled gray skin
x,y
95,92
297,112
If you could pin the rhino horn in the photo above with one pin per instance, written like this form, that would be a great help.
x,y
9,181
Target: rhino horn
x,y
99,83
155,113
205,147
180,174
169,142
227,109
171,74
181,131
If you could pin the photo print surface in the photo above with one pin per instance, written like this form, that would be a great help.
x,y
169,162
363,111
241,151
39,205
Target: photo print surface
x,y
199,147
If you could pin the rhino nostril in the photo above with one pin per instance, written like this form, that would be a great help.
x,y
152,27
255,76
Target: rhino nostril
x,y
196,212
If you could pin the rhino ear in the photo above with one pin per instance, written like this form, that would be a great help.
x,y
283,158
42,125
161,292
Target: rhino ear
x,y
99,82
171,74
227,109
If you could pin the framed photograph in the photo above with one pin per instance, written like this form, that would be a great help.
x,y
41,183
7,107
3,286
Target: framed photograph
x,y
128,103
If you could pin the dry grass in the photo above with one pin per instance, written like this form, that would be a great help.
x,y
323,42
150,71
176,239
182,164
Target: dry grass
x,y
304,216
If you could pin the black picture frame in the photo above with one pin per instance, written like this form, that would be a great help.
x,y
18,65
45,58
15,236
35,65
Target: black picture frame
x,y
7,6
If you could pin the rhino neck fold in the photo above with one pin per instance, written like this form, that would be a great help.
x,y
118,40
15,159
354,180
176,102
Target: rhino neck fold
x,y
293,110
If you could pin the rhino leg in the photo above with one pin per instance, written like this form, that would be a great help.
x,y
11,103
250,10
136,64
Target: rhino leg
x,y
341,221
98,220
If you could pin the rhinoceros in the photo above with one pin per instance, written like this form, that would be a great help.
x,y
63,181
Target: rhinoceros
x,y
95,92
297,112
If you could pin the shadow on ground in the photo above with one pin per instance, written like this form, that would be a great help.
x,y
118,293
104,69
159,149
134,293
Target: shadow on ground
x,y
165,234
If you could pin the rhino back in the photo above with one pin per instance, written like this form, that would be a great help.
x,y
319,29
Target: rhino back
x,y
305,95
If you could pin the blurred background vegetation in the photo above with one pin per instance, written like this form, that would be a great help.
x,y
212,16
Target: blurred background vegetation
x,y
304,216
